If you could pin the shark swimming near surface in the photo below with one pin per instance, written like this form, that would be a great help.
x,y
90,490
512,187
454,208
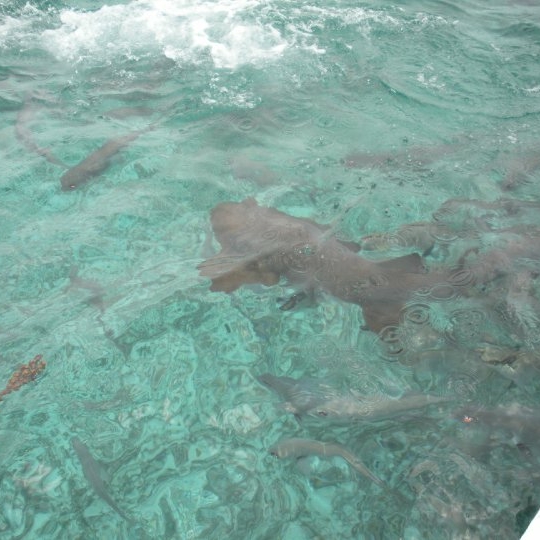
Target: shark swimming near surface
x,y
98,161
417,157
298,448
91,166
93,471
313,397
261,245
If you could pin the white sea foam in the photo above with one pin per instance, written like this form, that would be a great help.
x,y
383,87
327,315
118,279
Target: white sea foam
x,y
18,31
357,16
226,32
223,33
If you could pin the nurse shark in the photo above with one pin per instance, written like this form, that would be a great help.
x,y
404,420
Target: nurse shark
x,y
98,161
312,397
91,166
93,472
299,448
262,245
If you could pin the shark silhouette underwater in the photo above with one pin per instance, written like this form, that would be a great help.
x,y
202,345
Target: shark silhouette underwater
x,y
97,161
262,245
92,165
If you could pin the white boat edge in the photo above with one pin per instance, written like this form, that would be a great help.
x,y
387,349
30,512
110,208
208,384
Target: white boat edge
x,y
533,530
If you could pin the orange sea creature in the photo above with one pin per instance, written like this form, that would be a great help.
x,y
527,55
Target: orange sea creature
x,y
25,374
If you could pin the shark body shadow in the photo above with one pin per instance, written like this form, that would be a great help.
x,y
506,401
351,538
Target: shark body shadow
x,y
262,245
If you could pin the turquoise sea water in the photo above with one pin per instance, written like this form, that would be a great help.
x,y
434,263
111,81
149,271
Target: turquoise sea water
x,y
366,117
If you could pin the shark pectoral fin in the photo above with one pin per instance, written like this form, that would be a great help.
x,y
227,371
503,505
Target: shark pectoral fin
x,y
230,281
221,264
292,301
410,264
227,283
228,272
218,264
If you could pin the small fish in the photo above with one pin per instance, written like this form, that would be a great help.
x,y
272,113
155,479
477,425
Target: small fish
x,y
94,164
292,301
297,448
93,472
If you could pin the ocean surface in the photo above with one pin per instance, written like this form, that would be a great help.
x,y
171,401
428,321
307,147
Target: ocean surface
x,y
384,129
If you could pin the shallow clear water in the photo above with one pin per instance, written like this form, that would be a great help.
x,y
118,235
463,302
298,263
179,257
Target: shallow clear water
x,y
365,117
